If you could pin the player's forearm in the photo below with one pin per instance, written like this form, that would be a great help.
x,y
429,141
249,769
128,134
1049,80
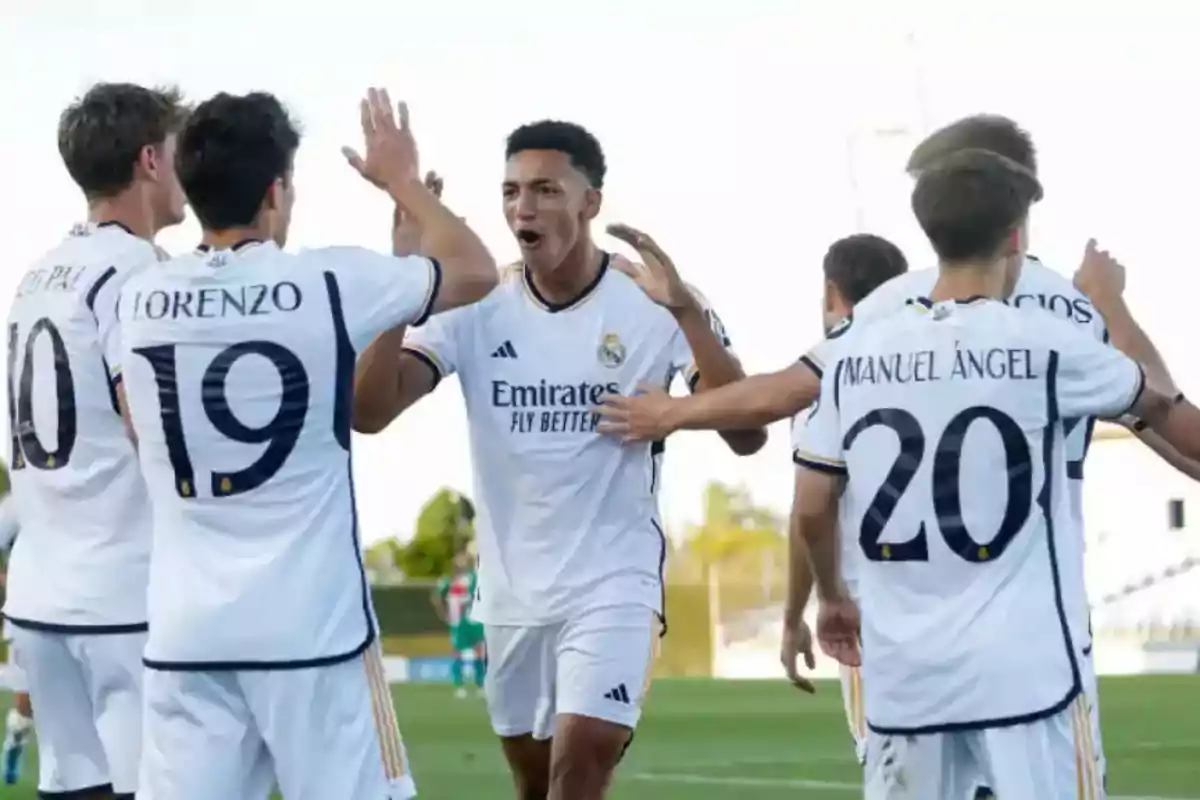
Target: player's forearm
x,y
377,384
819,532
751,402
1127,335
717,367
1169,454
800,574
1178,424
468,269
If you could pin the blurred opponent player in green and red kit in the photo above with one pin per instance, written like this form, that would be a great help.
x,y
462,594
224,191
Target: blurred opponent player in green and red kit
x,y
453,600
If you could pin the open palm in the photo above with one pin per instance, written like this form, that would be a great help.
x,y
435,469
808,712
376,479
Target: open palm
x,y
656,276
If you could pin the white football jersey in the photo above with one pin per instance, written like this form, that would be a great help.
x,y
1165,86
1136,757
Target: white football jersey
x,y
567,517
83,560
239,370
949,421
1038,289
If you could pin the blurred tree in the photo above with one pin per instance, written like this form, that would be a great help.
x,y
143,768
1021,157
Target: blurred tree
x,y
732,525
383,559
445,524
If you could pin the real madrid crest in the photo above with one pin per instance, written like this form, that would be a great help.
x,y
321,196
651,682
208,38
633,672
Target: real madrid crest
x,y
611,352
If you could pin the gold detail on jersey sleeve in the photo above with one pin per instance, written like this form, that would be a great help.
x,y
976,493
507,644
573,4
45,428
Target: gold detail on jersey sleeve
x,y
983,554
50,462
185,489
887,551
226,485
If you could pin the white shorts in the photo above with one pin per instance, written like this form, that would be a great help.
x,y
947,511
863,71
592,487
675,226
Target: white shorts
x,y
1050,759
852,700
87,689
321,733
596,664
14,676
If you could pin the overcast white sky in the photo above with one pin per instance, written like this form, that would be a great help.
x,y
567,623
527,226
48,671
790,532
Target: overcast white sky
x,y
731,133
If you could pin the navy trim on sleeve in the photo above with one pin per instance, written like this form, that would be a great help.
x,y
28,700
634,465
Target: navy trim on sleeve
x,y
434,291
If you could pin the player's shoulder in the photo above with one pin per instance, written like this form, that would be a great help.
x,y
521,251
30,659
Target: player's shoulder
x,y
894,293
1038,278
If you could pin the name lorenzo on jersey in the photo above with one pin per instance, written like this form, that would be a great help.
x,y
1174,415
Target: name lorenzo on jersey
x,y
250,300
545,407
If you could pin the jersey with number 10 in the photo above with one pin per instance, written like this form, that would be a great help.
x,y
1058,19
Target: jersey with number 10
x,y
949,421
83,559
239,370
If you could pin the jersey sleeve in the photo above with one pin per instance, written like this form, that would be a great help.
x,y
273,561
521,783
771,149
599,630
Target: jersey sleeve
x,y
682,361
1093,379
817,437
438,343
379,292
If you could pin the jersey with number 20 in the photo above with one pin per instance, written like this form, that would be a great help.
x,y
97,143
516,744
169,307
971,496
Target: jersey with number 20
x,y
1039,291
82,561
949,421
239,369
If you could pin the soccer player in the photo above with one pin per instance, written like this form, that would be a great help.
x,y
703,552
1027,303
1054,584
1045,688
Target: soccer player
x,y
1095,304
854,267
238,363
453,598
570,545
18,726
963,525
78,572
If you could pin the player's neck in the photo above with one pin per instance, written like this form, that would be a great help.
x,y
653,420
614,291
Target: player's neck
x,y
128,210
576,272
231,237
965,281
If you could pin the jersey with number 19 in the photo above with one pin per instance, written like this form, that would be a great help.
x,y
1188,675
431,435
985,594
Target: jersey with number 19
x,y
82,561
239,368
949,420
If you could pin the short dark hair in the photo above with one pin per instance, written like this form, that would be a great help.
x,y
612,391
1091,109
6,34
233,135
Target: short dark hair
x,y
968,202
990,132
859,264
564,137
101,134
230,152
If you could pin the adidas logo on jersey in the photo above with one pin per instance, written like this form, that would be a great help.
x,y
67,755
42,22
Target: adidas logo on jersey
x,y
505,350
618,694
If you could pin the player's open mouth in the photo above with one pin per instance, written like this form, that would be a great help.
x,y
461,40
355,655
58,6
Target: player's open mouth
x,y
529,239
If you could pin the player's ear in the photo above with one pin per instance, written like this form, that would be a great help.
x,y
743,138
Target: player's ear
x,y
592,199
1017,240
273,200
832,299
149,161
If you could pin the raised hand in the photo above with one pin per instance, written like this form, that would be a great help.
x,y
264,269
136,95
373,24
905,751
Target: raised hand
x,y
657,276
838,627
406,233
636,418
390,153
798,642
1100,276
